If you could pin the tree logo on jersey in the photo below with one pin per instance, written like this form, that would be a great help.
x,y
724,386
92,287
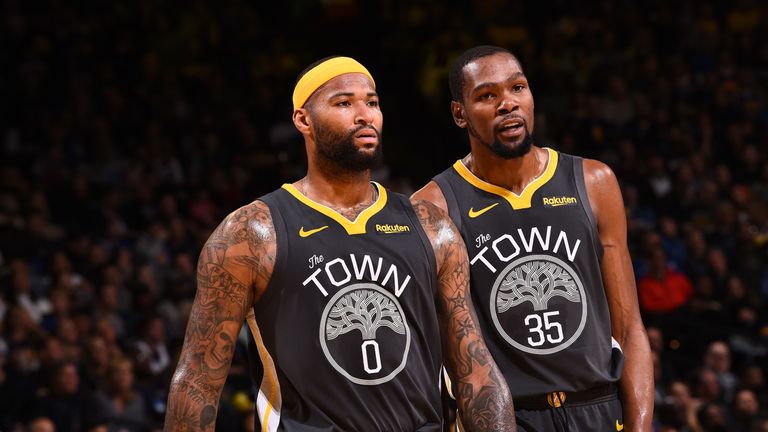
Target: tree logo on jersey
x,y
536,282
364,334
538,304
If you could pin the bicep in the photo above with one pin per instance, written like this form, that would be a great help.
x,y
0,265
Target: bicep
x,y
222,300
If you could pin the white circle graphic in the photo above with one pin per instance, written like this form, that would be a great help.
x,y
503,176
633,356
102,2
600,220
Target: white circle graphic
x,y
366,308
537,280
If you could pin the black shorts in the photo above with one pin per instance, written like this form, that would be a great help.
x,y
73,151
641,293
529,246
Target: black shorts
x,y
602,414
595,409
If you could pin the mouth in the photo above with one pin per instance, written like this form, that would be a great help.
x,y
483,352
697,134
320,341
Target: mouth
x,y
512,127
367,136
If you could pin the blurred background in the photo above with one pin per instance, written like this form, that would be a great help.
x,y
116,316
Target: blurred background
x,y
129,129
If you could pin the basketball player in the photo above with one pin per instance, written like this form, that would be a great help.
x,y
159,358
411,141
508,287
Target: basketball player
x,y
338,280
549,267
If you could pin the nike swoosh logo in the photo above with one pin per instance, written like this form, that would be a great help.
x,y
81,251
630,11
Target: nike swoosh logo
x,y
312,231
619,426
474,214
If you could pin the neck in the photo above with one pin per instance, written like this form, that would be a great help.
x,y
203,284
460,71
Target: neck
x,y
338,189
511,174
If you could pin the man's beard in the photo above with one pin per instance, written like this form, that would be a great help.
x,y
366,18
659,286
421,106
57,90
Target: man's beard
x,y
339,149
507,152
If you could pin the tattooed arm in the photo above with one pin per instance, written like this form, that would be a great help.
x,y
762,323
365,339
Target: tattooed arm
x,y
233,270
484,400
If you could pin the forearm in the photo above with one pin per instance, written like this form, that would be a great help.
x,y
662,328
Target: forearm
x,y
483,397
192,402
637,381
485,402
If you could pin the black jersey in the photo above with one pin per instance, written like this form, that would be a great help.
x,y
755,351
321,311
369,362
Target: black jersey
x,y
346,331
535,277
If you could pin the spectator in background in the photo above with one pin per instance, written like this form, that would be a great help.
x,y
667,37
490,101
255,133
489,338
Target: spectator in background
x,y
718,360
681,408
107,307
51,355
673,245
70,339
22,293
753,379
707,387
152,357
663,289
66,405
95,362
712,418
103,327
744,411
696,264
20,329
119,405
41,424
60,309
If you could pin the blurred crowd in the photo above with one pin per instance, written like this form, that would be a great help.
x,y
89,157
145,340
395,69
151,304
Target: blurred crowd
x,y
129,129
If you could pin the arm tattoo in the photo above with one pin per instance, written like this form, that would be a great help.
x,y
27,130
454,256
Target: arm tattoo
x,y
234,267
484,400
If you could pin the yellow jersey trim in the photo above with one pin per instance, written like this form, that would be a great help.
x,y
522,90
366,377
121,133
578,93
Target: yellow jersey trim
x,y
518,202
352,227
270,381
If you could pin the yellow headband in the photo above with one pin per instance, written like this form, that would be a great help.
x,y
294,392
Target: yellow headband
x,y
321,74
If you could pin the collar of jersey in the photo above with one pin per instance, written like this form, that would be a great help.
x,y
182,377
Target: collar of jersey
x,y
356,226
518,202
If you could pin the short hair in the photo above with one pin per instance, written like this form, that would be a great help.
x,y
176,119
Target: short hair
x,y
456,74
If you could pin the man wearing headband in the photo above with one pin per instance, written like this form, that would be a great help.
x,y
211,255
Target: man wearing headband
x,y
354,296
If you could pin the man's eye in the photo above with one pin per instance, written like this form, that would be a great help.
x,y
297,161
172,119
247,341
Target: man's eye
x,y
343,103
373,103
487,96
518,87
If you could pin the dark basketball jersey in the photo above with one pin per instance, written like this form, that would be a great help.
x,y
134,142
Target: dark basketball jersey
x,y
535,277
346,331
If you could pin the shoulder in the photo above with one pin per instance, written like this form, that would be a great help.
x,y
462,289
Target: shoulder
x,y
437,224
597,173
430,215
251,223
604,193
431,193
245,245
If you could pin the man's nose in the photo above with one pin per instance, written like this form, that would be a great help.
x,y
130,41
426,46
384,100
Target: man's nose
x,y
364,115
507,104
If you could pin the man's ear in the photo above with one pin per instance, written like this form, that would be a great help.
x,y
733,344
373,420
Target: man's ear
x,y
301,119
457,110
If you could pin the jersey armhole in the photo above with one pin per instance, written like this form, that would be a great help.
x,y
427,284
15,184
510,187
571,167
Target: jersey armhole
x,y
586,205
450,200
281,244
